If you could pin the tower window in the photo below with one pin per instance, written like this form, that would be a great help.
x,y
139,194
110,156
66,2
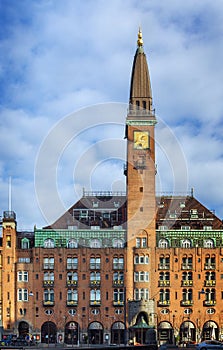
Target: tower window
x,y
137,104
141,189
8,241
144,104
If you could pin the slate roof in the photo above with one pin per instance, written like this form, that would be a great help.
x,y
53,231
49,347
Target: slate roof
x,y
104,211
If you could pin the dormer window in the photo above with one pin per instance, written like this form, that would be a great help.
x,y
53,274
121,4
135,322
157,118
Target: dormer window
x,y
25,243
185,228
49,243
193,214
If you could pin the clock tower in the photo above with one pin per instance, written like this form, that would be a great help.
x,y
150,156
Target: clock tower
x,y
140,172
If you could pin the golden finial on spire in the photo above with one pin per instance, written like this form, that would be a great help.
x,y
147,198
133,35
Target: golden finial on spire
x,y
140,41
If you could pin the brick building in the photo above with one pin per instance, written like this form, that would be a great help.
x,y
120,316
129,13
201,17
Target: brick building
x,y
118,266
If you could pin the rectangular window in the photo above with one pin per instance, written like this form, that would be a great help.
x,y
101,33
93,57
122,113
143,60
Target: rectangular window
x,y
22,294
138,241
24,260
72,263
48,263
22,276
144,242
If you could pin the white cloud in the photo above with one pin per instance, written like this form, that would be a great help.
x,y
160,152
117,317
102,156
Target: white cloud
x,y
60,56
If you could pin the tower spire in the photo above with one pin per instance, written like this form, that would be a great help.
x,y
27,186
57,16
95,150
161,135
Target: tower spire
x,y
140,89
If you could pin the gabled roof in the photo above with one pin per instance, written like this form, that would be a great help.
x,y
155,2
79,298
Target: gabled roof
x,y
177,211
108,210
94,209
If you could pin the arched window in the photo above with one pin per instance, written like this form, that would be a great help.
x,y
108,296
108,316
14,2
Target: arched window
x,y
72,278
118,243
72,243
48,295
25,243
95,296
118,263
186,243
72,295
118,278
163,243
136,294
118,295
144,294
164,296
208,243
49,243
95,262
95,243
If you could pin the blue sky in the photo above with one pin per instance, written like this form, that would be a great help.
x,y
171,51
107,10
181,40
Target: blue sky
x,y
61,58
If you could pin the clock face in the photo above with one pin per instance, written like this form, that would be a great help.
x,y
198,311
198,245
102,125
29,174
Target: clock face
x,y
141,139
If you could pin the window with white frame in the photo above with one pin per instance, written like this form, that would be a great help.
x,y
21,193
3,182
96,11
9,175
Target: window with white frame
x,y
118,295
95,243
25,243
141,276
22,276
141,242
118,263
186,243
72,262
48,276
141,259
22,294
72,243
95,295
163,243
72,295
141,293
208,243
138,242
48,263
49,243
118,243
95,262
48,295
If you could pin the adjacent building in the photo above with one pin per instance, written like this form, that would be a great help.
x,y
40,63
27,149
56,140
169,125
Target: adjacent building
x,y
118,267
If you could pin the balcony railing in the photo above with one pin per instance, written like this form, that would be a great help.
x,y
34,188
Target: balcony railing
x,y
209,283
72,283
185,283
72,302
163,302
95,283
118,283
209,266
48,302
48,283
209,302
95,302
118,302
186,302
164,266
186,267
164,283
